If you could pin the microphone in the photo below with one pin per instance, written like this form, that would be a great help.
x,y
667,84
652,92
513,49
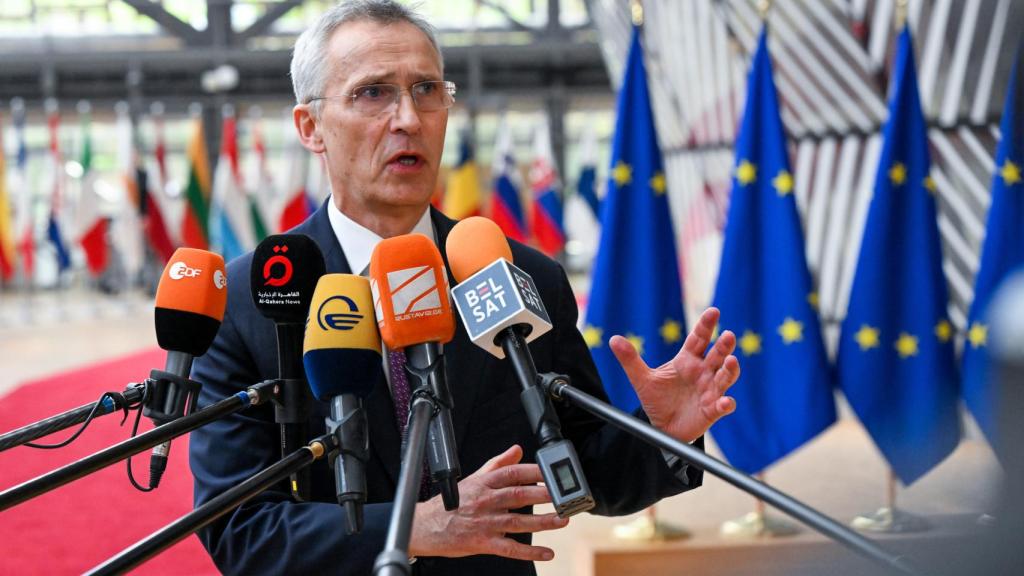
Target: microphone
x,y
190,301
502,312
284,272
343,362
410,297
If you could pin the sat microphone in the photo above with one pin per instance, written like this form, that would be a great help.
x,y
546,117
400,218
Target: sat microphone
x,y
410,298
502,311
343,363
190,301
284,273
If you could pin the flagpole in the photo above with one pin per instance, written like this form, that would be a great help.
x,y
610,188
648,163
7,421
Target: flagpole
x,y
26,223
901,14
647,528
890,519
83,279
763,7
636,11
57,201
758,523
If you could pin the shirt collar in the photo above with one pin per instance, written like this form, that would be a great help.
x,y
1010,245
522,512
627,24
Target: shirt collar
x,y
358,242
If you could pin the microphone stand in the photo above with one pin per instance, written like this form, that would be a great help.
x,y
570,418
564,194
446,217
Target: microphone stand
x,y
394,559
253,396
558,387
131,395
210,511
557,459
292,405
426,366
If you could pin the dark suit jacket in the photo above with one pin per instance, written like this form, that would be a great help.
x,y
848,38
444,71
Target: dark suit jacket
x,y
271,534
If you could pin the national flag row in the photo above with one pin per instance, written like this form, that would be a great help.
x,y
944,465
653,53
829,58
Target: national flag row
x,y
74,211
541,221
895,363
230,209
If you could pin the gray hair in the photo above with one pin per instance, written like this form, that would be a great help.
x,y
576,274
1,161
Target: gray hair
x,y
309,59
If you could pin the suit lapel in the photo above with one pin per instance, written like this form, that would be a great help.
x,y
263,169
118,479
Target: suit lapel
x,y
384,439
464,361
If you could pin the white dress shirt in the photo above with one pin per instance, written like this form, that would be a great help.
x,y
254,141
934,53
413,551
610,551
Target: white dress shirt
x,y
358,242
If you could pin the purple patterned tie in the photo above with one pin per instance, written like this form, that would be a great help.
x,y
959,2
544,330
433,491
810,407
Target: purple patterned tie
x,y
401,394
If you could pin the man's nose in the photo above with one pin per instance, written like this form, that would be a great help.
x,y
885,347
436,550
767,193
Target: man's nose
x,y
406,117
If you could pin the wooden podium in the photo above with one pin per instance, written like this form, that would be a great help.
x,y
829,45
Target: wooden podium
x,y
709,554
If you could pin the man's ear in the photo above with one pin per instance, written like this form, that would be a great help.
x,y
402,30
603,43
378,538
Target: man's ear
x,y
309,130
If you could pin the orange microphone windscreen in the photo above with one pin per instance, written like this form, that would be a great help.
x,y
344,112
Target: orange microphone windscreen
x,y
190,301
410,292
473,244
194,281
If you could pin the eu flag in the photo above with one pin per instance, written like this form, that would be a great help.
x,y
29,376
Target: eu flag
x,y
635,289
1002,252
765,295
895,361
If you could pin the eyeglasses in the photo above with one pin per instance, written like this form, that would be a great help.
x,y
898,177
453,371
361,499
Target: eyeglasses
x,y
374,99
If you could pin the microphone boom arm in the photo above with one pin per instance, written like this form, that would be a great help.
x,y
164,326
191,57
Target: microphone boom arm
x,y
252,396
558,387
393,560
132,394
210,511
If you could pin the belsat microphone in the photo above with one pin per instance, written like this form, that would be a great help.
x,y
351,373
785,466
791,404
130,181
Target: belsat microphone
x,y
410,298
502,311
190,301
284,273
343,362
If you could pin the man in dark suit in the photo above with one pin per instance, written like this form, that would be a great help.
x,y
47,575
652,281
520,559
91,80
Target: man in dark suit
x,y
368,79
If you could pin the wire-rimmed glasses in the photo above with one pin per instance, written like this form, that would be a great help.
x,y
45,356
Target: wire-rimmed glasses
x,y
374,99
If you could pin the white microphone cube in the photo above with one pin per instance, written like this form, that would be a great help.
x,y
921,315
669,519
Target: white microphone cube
x,y
495,298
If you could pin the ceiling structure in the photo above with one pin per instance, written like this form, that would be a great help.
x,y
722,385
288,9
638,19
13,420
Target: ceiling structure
x,y
511,56
104,51
832,60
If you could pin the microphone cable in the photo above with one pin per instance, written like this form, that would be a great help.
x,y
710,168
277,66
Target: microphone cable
x,y
156,471
116,398
119,401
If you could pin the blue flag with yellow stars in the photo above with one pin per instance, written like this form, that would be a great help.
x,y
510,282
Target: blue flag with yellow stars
x,y
635,290
765,295
1001,253
895,361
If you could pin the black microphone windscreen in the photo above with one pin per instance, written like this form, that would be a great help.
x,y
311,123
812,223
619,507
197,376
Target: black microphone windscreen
x,y
182,331
284,273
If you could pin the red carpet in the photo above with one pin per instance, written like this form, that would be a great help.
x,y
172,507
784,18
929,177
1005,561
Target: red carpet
x,y
73,528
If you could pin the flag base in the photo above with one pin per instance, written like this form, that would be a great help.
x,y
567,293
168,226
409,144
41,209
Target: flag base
x,y
890,521
986,520
648,528
756,525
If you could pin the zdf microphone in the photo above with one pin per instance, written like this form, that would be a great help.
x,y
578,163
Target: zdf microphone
x,y
190,301
285,269
342,357
502,311
410,294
